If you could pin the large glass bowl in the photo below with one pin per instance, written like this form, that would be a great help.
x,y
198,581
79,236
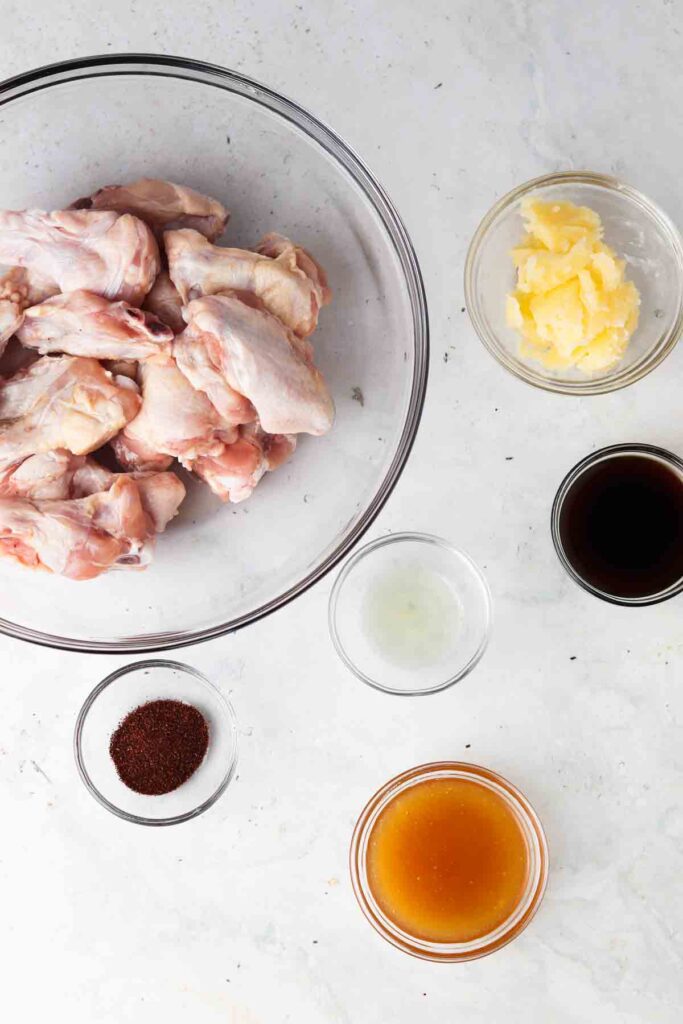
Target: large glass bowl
x,y
71,127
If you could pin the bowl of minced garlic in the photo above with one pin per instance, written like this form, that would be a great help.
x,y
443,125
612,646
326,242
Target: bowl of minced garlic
x,y
574,282
572,305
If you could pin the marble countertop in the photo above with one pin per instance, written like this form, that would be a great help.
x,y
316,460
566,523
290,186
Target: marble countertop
x,y
246,915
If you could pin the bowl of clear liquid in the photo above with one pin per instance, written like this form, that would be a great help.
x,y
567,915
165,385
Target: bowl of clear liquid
x,y
410,614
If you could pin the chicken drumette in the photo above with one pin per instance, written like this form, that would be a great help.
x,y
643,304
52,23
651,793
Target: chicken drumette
x,y
283,276
70,515
113,255
69,402
60,475
250,353
82,323
175,421
161,204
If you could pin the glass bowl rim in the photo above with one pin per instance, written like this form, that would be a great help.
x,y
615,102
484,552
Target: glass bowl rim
x,y
595,386
227,711
508,930
453,552
625,448
344,157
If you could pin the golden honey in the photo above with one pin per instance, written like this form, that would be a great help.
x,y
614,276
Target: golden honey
x,y
447,860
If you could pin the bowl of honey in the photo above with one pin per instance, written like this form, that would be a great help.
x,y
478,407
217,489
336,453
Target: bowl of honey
x,y
449,861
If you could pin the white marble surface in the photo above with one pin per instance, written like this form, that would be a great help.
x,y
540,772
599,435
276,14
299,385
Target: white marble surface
x,y
246,916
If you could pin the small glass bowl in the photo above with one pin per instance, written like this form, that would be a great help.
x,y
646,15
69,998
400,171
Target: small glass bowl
x,y
110,702
451,952
670,460
398,556
638,231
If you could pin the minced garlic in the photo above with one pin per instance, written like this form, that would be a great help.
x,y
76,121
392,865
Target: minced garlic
x,y
572,305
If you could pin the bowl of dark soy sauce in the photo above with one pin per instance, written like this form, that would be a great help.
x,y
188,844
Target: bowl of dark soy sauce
x,y
617,524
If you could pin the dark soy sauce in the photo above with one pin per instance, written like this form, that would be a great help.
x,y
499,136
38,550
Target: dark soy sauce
x,y
621,526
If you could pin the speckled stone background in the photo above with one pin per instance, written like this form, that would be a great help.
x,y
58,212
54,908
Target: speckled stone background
x,y
246,915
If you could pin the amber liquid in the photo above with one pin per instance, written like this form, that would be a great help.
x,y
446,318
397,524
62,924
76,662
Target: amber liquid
x,y
621,526
447,860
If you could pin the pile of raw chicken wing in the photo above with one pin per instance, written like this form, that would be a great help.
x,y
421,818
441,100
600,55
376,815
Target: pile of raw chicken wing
x,y
129,340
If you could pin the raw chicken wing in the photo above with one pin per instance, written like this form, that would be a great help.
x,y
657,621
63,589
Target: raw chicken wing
x,y
82,323
58,475
101,251
198,356
160,493
61,475
235,472
41,476
198,268
258,358
161,204
175,421
79,539
277,246
66,402
20,392
277,448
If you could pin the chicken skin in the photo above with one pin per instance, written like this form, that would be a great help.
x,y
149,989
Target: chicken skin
x,y
161,494
277,448
164,301
198,356
74,517
41,477
60,476
282,283
162,205
275,246
78,539
114,256
175,421
82,323
235,472
178,421
67,402
258,358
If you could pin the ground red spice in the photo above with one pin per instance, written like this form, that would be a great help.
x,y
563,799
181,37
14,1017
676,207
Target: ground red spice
x,y
159,745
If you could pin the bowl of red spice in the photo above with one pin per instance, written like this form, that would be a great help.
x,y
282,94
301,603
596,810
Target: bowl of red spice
x,y
156,743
